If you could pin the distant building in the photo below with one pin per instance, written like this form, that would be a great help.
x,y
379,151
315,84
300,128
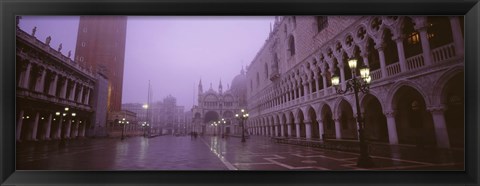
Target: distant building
x,y
101,42
164,116
213,106
123,120
56,97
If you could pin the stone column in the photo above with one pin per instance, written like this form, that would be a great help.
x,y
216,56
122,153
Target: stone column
x,y
342,73
320,128
73,92
87,97
19,124
282,129
381,55
308,129
48,127
338,133
365,58
317,83
305,89
59,128
35,126
53,86
297,129
401,54
295,89
276,131
457,35
324,83
441,132
271,131
63,93
77,127
310,86
68,130
26,77
392,128
421,26
39,84
80,94
289,129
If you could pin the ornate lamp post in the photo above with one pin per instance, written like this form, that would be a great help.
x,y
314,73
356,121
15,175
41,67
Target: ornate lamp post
x,y
123,122
357,84
242,117
65,114
222,126
214,125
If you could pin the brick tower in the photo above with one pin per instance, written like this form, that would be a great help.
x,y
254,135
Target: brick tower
x,y
101,46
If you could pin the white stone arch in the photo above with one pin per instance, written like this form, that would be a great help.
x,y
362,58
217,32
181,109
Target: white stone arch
x,y
389,105
336,106
438,89
375,94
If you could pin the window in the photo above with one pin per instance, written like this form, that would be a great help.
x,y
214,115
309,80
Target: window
x,y
266,71
322,23
84,44
84,30
81,58
291,45
258,79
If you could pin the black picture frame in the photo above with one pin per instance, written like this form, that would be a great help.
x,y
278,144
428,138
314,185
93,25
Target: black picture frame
x,y
10,8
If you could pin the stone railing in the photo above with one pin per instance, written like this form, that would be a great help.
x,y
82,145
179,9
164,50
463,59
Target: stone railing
x,y
443,53
415,62
393,69
376,74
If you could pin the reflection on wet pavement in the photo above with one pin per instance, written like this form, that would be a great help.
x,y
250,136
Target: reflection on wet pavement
x,y
206,153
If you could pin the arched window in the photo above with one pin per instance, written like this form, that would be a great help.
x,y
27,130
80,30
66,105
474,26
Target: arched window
x,y
266,70
322,23
291,45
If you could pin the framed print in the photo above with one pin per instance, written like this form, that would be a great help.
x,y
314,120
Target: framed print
x,y
239,93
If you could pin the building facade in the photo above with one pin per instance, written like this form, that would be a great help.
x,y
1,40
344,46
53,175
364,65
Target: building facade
x,y
56,97
213,106
101,44
416,66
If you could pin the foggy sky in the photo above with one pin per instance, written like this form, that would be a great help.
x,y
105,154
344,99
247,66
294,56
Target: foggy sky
x,y
172,52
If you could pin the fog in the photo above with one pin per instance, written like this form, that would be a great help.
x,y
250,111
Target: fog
x,y
174,53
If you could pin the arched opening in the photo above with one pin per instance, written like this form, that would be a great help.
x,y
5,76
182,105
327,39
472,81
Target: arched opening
x,y
301,118
373,56
291,45
348,123
292,126
412,44
391,52
439,31
313,119
375,121
453,98
414,123
328,123
284,125
346,68
210,117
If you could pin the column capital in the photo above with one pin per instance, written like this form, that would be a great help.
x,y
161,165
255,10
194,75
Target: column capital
x,y
390,113
436,109
380,46
398,38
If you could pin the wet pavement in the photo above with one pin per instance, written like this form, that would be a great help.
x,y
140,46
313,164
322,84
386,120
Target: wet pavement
x,y
206,153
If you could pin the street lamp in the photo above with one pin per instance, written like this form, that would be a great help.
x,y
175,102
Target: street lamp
x,y
214,128
357,84
65,114
222,127
123,122
242,117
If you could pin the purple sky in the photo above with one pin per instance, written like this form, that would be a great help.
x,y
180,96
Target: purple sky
x,y
172,52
